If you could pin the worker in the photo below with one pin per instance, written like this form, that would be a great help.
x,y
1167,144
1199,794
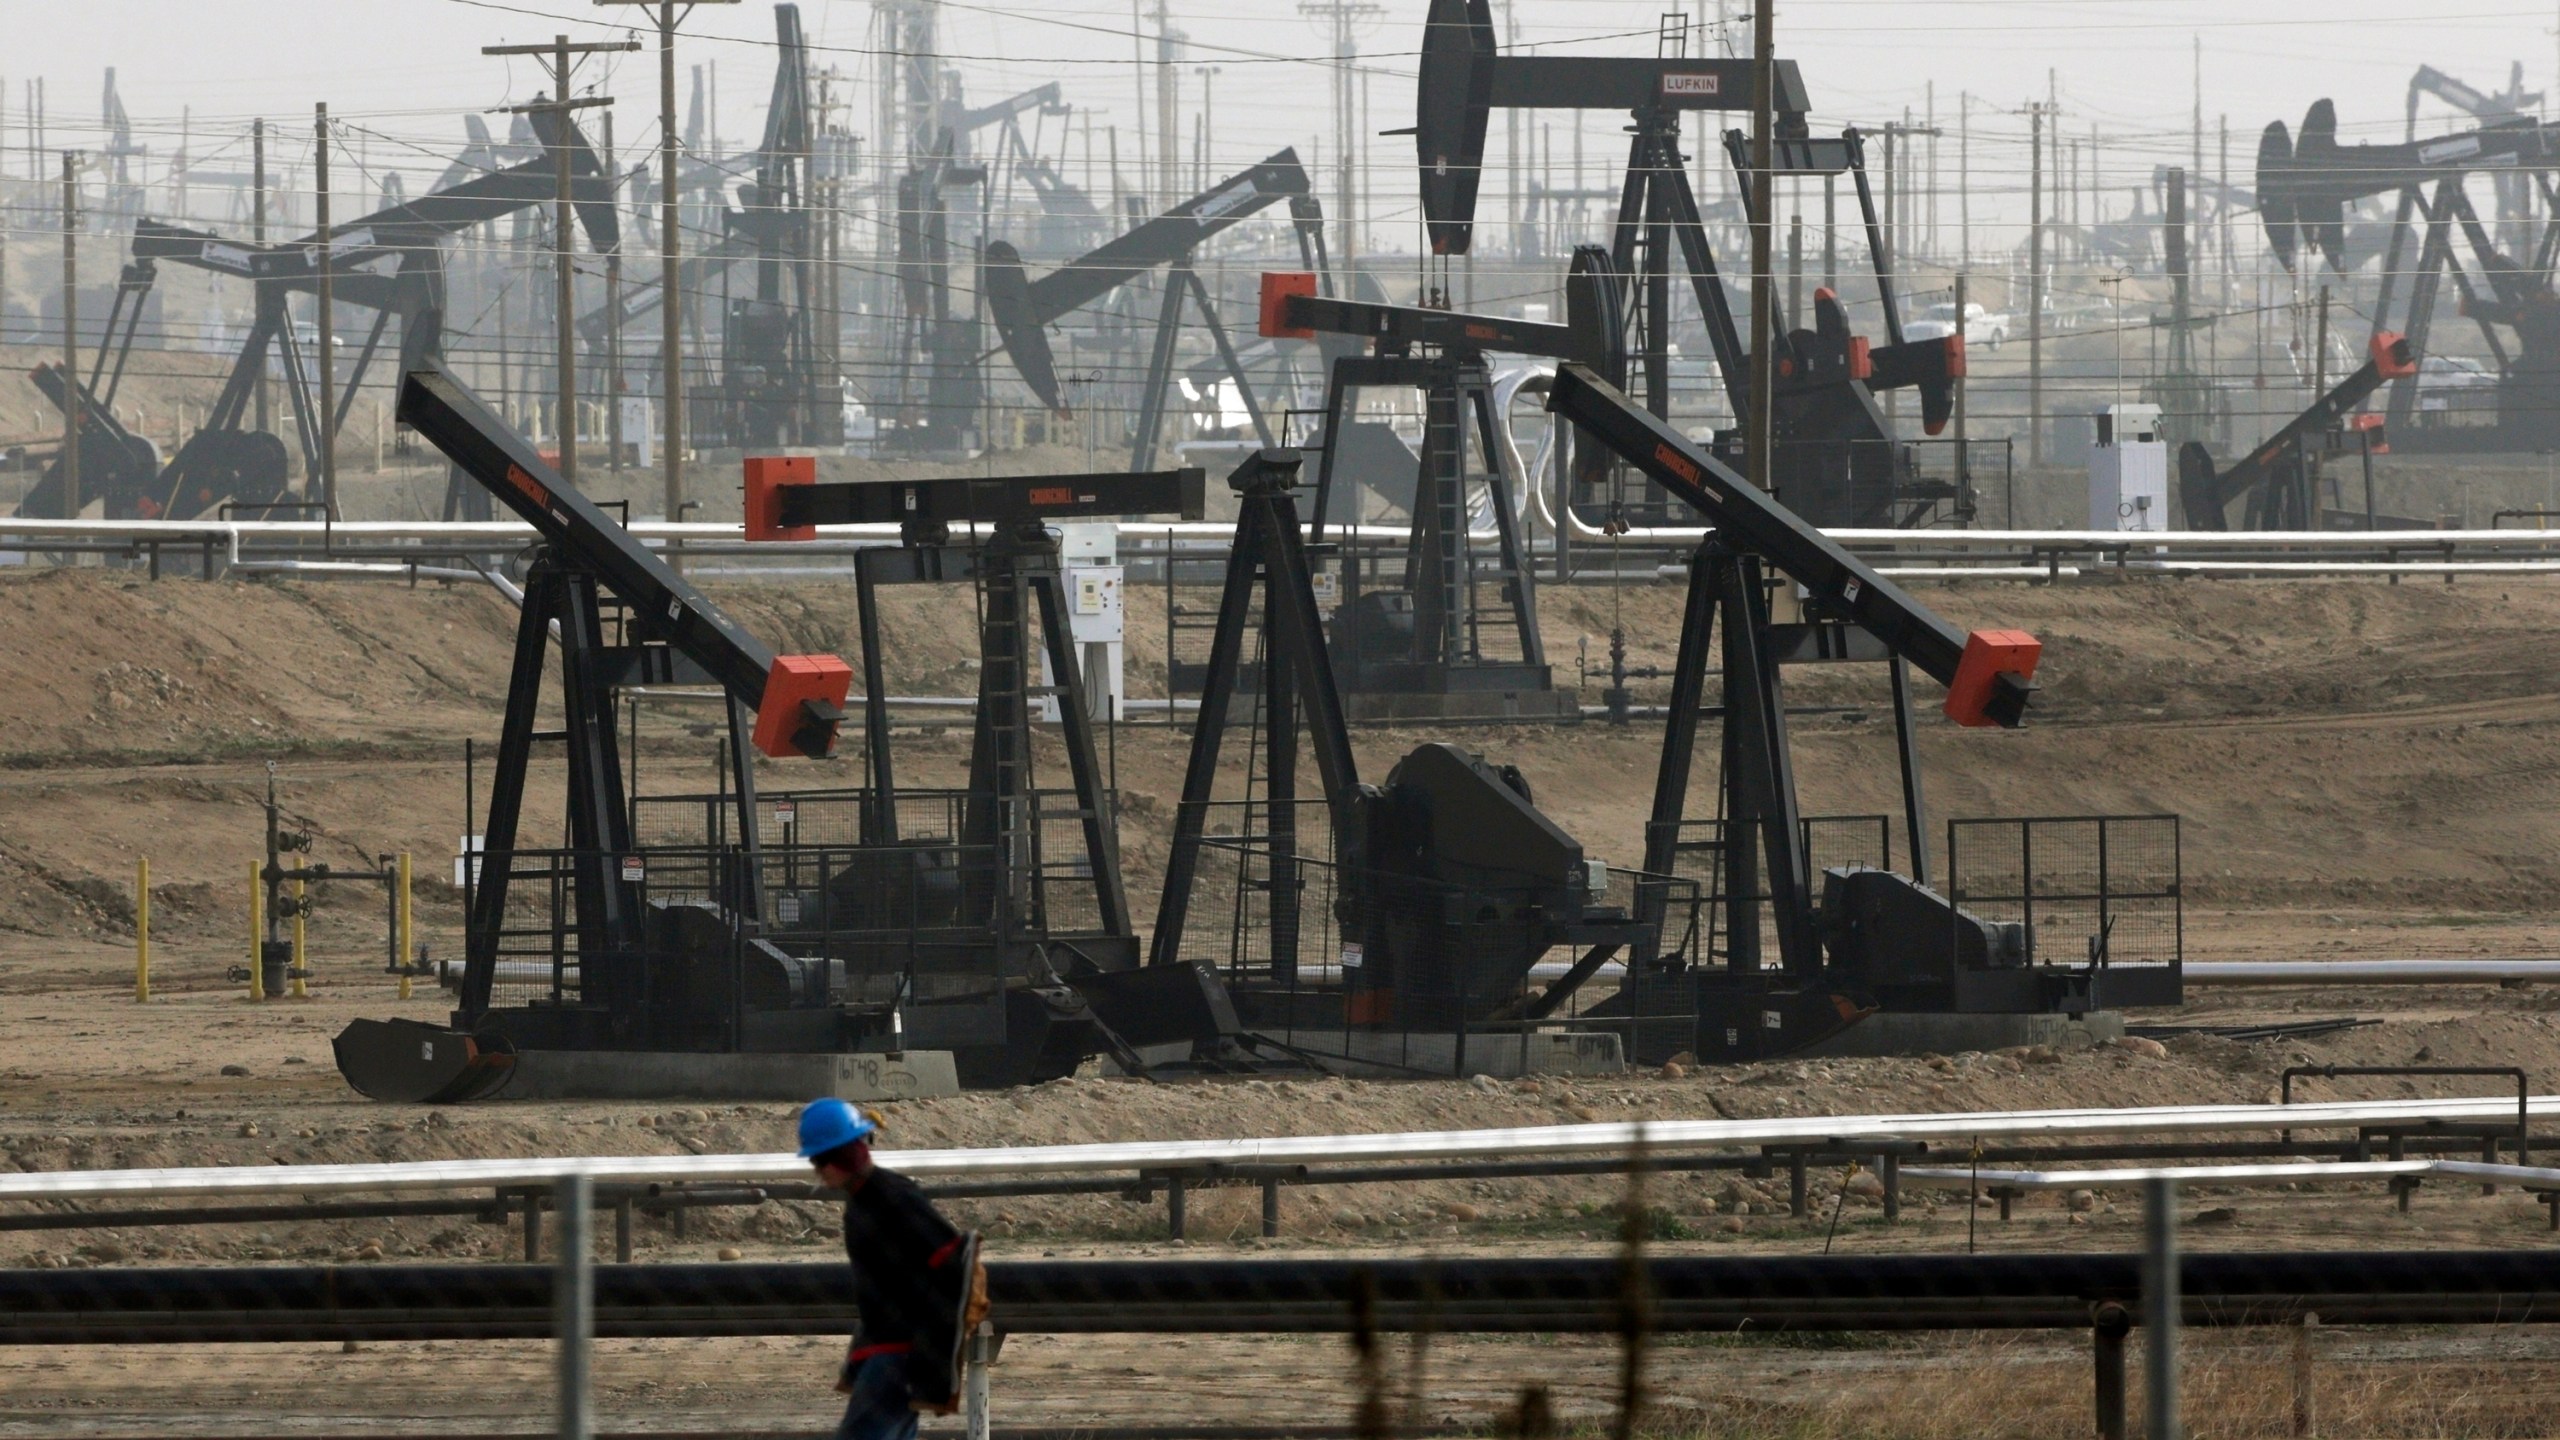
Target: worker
x,y
917,1282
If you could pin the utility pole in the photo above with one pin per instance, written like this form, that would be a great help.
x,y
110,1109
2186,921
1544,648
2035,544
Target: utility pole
x,y
71,335
1512,163
258,235
1168,97
1898,159
1761,209
671,302
2036,112
1964,447
2195,165
1208,121
328,417
1340,16
612,312
564,312
1831,233
1964,176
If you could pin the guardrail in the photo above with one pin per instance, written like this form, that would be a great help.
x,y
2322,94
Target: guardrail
x,y
1655,1140
2024,552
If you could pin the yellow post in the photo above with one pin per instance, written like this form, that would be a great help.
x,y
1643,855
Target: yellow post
x,y
301,904
408,951
142,931
257,933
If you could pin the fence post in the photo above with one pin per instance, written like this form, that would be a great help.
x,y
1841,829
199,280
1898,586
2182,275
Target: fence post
x,y
976,1382
573,1303
2108,1325
1270,1209
1174,1204
142,931
257,933
2160,1309
2306,1416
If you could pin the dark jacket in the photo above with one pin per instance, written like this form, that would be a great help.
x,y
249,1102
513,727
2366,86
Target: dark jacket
x,y
902,1252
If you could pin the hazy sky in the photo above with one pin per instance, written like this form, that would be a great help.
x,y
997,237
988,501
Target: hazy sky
x,y
401,69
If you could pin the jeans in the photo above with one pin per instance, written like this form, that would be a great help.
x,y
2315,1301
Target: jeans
x,y
881,1407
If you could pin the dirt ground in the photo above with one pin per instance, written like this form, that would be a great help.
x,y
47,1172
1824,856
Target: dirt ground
x,y
2363,771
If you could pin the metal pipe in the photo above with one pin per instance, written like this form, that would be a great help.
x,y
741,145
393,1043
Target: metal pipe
x,y
2370,972
1849,1134
485,535
573,1296
1294,1295
2160,1307
2262,973
2528,1176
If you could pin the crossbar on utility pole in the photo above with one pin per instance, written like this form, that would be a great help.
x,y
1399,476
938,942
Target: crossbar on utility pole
x,y
71,335
2037,113
670,247
559,59
328,327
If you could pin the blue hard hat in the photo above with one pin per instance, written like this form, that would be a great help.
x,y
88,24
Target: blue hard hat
x,y
831,1125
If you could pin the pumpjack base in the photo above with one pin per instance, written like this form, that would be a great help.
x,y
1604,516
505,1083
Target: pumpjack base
x,y
1898,1032
1531,705
1738,1023
661,1075
1501,1055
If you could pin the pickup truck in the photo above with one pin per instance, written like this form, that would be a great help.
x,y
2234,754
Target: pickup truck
x,y
1981,327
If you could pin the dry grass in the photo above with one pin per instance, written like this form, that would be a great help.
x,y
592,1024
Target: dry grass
x,y
2234,1385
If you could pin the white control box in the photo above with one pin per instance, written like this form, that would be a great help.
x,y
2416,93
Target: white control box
x,y
1088,557
2129,470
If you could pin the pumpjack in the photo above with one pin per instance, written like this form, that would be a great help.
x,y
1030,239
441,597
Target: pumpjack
x,y
1023,309
631,966
1448,884
2280,481
952,932
1458,634
390,261
1872,938
2305,183
772,391
1836,460
1023,926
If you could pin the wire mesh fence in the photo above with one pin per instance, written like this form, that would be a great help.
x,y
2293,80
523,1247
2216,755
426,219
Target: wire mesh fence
x,y
1640,1330
2089,890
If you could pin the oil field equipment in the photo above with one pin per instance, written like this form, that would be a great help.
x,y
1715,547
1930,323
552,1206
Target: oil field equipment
x,y
390,261
1458,635
1445,884
940,329
2128,470
775,352
1021,957
1398,926
1836,460
626,962
1023,309
2281,480
1869,939
281,904
2307,180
